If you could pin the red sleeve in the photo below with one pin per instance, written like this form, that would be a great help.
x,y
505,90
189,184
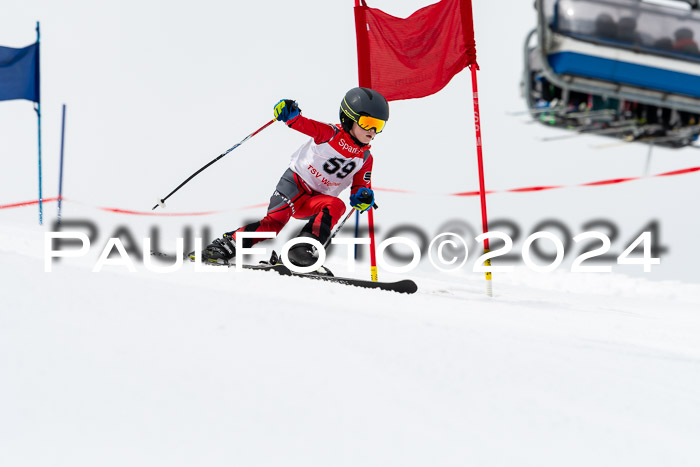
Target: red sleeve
x,y
320,132
363,178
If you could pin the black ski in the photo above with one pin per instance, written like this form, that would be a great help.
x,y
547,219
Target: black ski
x,y
406,286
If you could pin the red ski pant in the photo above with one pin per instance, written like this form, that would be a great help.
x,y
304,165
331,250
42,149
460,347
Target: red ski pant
x,y
293,198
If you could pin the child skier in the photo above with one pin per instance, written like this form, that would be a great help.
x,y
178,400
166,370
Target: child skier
x,y
335,158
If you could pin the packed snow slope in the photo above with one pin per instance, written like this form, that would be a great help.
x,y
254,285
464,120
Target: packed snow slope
x,y
222,368
251,368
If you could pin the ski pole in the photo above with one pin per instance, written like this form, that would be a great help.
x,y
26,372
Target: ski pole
x,y
340,226
161,203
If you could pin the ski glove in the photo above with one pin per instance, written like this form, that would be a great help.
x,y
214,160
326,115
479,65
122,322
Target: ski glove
x,y
286,110
362,199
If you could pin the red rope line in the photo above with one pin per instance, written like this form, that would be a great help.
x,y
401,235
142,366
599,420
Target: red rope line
x,y
612,181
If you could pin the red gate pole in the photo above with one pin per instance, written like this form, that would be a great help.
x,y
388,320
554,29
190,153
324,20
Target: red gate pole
x,y
482,185
372,245
365,80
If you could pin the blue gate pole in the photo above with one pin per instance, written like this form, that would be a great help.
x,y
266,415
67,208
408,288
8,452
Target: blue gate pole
x,y
60,170
37,109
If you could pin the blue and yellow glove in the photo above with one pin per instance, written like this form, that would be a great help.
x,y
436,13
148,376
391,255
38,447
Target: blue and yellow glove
x,y
286,110
362,199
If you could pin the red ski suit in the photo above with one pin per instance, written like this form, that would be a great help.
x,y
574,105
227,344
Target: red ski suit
x,y
319,171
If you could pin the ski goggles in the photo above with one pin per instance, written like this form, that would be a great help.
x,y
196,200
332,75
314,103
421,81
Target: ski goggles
x,y
367,123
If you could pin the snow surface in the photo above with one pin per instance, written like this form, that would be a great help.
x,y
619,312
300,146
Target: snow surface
x,y
189,369
251,368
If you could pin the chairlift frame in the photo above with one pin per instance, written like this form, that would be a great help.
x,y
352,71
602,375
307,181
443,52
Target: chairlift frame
x,y
546,39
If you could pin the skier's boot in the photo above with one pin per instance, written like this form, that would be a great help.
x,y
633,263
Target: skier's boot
x,y
220,251
305,254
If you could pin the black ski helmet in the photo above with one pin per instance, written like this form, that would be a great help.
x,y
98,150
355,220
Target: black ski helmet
x,y
362,101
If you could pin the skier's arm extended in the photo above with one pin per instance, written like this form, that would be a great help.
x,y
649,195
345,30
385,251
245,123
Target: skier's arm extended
x,y
289,112
320,132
